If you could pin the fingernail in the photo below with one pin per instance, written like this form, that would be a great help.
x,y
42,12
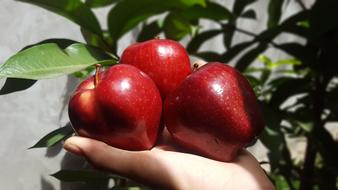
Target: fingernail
x,y
73,148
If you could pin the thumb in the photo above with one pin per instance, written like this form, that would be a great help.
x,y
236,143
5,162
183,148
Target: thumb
x,y
100,154
137,165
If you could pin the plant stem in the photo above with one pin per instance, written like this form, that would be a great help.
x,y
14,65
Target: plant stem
x,y
254,35
245,32
97,74
308,169
306,182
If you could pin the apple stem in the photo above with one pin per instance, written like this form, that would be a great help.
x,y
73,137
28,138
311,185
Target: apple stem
x,y
195,66
97,73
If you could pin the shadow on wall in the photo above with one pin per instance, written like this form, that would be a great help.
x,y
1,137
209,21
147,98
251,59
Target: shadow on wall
x,y
70,161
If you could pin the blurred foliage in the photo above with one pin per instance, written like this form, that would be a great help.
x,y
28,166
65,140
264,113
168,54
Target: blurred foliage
x,y
298,95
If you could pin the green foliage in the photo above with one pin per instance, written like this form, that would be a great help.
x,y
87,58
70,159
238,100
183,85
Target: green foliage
x,y
176,26
49,60
149,31
99,3
128,13
55,137
298,95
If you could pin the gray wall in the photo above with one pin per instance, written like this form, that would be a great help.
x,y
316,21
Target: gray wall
x,y
28,115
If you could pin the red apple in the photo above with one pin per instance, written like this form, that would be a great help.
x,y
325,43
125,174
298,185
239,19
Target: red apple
x,y
121,107
214,112
165,61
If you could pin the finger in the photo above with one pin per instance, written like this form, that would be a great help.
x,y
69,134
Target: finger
x,y
100,154
137,165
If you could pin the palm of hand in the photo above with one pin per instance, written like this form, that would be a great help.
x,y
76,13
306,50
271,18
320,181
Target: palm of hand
x,y
169,169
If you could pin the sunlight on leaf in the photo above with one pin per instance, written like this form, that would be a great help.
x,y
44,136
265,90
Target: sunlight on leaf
x,y
49,60
54,137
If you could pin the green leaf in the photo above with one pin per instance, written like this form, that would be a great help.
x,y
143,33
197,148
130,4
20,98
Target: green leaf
x,y
250,56
254,70
249,14
99,3
275,11
54,137
74,10
149,31
95,40
272,65
176,26
128,13
280,182
62,43
200,38
13,85
49,60
265,76
212,11
286,62
83,176
264,59
254,82
188,3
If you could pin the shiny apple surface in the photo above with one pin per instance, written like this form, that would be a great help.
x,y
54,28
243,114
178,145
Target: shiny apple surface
x,y
165,61
123,109
213,112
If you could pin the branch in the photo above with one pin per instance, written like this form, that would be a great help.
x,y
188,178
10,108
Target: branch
x,y
310,154
254,35
300,2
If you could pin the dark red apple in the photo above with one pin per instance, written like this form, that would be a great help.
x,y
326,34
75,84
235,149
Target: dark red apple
x,y
121,107
165,61
214,112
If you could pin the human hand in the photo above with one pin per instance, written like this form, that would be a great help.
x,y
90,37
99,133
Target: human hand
x,y
164,167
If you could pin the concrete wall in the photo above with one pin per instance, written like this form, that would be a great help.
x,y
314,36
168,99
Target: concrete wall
x,y
28,115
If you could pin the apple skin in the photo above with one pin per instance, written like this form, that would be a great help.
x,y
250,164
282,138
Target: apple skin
x,y
214,112
165,61
123,109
